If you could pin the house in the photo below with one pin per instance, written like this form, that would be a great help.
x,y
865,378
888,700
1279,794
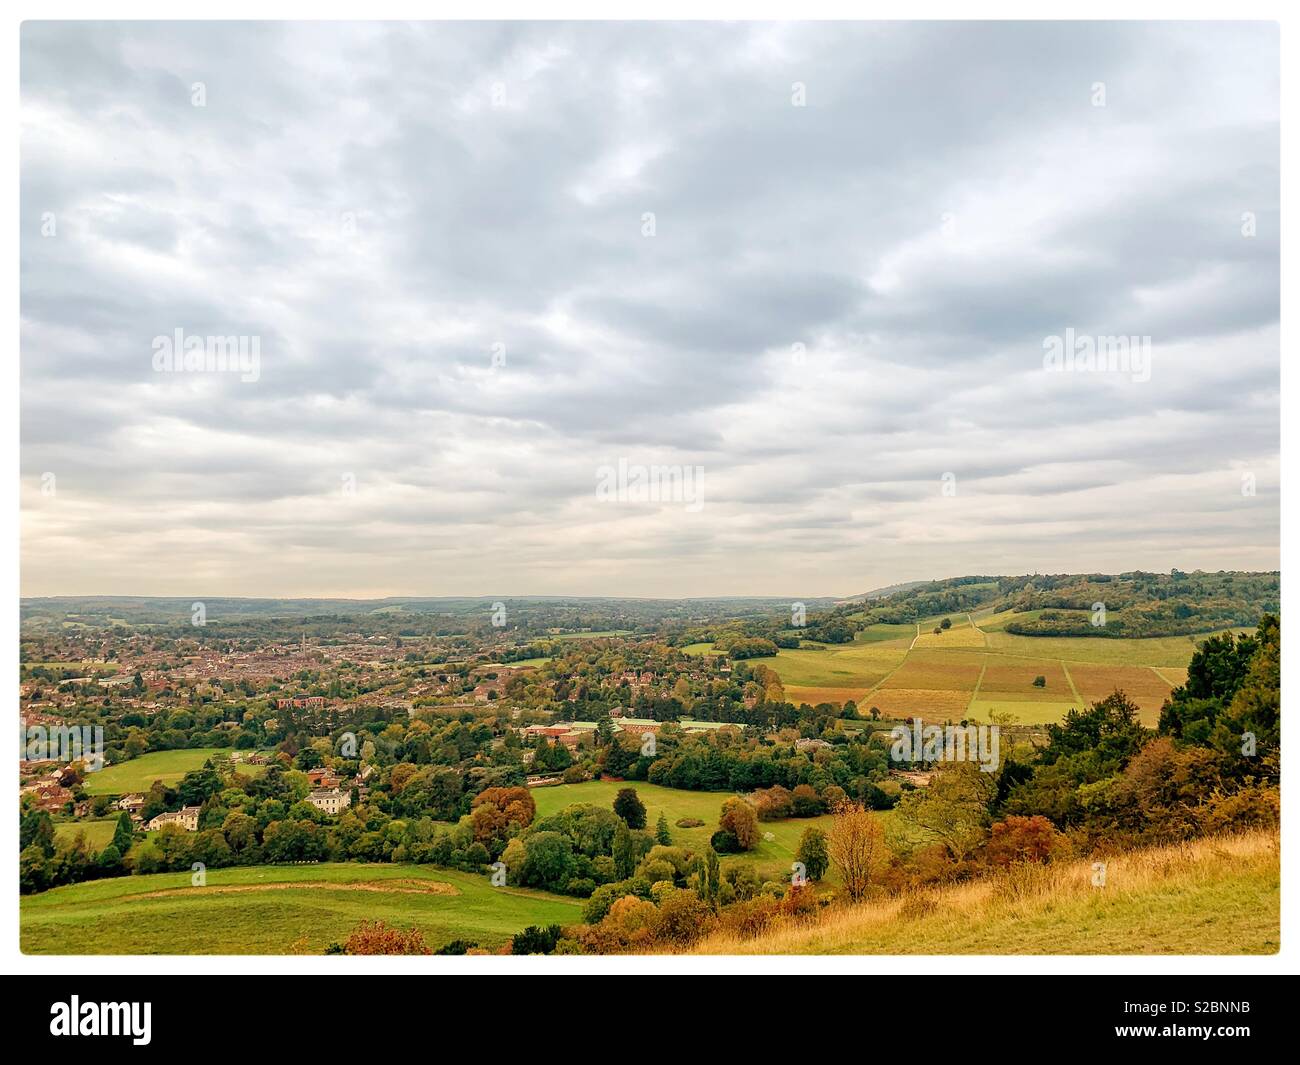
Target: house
x,y
323,779
187,817
330,800
50,797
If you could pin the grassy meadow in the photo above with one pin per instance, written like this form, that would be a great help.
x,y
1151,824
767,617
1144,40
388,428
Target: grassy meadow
x,y
278,909
99,834
138,774
771,858
1210,896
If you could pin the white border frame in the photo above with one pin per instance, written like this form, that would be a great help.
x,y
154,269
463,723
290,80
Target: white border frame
x,y
333,10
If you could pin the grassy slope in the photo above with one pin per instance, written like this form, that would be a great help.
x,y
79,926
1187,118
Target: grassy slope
x,y
1214,896
138,774
117,917
99,834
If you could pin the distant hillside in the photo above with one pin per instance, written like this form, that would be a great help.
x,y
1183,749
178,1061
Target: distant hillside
x,y
881,593
1135,604
398,614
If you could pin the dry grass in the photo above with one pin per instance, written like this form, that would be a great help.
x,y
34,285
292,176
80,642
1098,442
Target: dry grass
x,y
1210,896
1147,688
927,703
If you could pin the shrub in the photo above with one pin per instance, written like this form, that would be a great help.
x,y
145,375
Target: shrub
x,y
682,917
375,937
749,917
725,842
1023,839
535,940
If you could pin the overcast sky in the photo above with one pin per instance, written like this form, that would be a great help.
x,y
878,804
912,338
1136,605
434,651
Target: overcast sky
x,y
482,262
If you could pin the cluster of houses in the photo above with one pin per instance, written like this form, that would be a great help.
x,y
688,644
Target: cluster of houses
x,y
571,734
328,794
50,787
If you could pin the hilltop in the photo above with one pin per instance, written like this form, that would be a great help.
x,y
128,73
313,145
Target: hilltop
x,y
1135,604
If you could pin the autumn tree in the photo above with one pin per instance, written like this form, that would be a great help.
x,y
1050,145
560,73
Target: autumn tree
x,y
739,818
856,846
1023,839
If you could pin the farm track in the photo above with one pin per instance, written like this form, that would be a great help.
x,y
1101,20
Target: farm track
x,y
1070,681
980,680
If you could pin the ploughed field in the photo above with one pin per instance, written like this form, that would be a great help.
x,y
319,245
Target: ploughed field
x,y
975,669
279,909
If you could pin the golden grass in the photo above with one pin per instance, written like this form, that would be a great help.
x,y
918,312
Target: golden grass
x,y
814,695
958,636
1147,688
1003,677
927,703
1211,896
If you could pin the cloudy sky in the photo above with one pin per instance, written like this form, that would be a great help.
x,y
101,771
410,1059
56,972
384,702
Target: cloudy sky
x,y
484,263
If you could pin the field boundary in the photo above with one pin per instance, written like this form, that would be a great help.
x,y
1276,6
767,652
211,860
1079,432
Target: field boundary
x,y
1070,681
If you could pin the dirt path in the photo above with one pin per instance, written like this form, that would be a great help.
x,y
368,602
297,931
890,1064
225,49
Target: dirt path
x,y
1070,681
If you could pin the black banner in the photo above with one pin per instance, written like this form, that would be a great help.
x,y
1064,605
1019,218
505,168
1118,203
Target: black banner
x,y
148,1013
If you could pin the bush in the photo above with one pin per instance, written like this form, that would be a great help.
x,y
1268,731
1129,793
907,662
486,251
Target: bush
x,y
683,917
375,937
750,917
725,842
535,940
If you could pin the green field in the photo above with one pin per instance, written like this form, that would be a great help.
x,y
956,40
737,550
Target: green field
x,y
268,909
975,668
771,858
99,834
138,774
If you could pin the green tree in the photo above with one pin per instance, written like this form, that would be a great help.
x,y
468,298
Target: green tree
x,y
662,834
624,851
124,833
630,808
813,853
712,878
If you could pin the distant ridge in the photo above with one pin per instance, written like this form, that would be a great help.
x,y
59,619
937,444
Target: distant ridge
x,y
880,593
